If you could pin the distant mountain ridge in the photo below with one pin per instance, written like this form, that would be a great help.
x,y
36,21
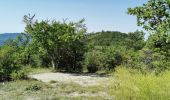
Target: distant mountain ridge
x,y
5,36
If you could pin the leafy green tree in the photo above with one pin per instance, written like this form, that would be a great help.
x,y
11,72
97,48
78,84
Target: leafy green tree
x,y
154,15
61,42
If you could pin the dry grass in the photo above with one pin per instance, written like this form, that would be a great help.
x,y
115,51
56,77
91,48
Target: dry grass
x,y
123,85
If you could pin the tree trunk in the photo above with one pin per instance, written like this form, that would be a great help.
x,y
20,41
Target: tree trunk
x,y
53,63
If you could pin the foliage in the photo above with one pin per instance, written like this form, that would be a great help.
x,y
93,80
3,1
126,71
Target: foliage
x,y
94,61
106,38
154,15
135,40
160,44
61,42
146,61
13,58
104,58
20,74
7,65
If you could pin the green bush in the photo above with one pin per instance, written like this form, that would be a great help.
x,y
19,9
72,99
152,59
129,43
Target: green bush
x,y
7,65
114,57
21,74
94,61
33,87
147,60
10,63
104,58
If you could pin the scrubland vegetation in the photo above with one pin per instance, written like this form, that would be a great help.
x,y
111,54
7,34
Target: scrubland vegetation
x,y
138,67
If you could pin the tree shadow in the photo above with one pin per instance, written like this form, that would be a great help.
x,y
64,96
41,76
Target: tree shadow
x,y
104,74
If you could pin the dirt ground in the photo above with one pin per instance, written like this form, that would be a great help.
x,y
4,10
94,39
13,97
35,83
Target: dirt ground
x,y
84,80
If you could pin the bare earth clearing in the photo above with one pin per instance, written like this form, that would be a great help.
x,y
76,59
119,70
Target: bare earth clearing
x,y
57,86
84,80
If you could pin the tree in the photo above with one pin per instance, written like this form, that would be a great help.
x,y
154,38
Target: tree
x,y
62,42
154,15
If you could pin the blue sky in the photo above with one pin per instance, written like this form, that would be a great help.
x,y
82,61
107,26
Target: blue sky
x,y
99,14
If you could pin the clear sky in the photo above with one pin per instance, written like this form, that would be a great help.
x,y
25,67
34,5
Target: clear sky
x,y
99,14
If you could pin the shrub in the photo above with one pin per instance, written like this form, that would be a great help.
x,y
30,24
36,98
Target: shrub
x,y
7,65
147,60
21,74
104,58
94,61
10,66
114,57
33,87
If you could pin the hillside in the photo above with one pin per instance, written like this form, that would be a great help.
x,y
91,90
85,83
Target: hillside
x,y
6,36
98,38
107,38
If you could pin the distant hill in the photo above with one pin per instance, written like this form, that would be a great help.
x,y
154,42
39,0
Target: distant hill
x,y
104,38
6,36
107,38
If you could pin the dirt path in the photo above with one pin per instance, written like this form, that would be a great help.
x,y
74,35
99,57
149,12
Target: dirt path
x,y
84,80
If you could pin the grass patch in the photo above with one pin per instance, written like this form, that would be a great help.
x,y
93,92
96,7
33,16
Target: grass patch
x,y
31,89
134,86
123,85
